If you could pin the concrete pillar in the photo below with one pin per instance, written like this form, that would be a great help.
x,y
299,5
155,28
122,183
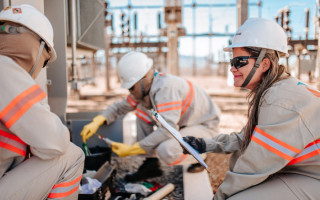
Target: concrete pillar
x,y
242,12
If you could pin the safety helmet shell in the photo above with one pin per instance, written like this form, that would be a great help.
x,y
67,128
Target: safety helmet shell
x,y
261,33
132,67
32,19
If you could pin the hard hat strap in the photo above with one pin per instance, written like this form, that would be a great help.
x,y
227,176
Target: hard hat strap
x,y
38,57
142,88
255,67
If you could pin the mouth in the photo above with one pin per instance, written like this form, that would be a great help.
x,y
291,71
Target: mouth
x,y
236,76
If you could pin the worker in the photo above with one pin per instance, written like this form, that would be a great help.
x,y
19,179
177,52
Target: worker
x,y
37,159
276,155
182,104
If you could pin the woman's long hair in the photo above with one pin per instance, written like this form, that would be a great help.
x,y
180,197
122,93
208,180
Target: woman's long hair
x,y
274,74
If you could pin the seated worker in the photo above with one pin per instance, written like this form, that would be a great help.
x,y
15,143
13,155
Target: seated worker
x,y
37,159
182,104
277,154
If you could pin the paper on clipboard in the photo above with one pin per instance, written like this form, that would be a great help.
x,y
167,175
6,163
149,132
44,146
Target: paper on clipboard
x,y
179,138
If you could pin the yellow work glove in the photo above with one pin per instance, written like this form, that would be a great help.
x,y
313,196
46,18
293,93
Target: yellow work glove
x,y
91,128
127,150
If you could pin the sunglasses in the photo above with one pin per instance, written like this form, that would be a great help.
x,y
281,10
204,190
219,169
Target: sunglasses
x,y
240,61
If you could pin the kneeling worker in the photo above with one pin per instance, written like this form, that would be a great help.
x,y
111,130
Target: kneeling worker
x,y
183,105
37,159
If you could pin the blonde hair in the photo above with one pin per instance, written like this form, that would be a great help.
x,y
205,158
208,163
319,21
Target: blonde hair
x,y
274,74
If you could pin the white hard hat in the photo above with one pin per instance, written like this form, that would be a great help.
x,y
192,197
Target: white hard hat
x,y
32,19
261,33
132,67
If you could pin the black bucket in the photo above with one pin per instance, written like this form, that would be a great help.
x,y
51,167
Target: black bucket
x,y
99,155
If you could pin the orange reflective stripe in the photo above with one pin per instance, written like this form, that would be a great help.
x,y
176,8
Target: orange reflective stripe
x,y
174,105
272,149
291,148
58,189
63,194
179,160
188,99
66,184
16,100
18,106
309,151
315,92
12,137
13,148
12,143
169,103
132,102
142,115
26,106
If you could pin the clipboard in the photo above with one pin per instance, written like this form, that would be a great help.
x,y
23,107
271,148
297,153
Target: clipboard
x,y
179,138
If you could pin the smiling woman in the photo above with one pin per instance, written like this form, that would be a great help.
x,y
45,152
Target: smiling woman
x,y
276,155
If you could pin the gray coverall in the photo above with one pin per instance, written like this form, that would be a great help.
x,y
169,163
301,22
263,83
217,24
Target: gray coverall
x,y
282,160
55,167
183,105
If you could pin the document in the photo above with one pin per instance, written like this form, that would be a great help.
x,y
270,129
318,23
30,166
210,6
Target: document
x,y
179,138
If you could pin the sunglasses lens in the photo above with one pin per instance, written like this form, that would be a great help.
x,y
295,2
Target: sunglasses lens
x,y
239,62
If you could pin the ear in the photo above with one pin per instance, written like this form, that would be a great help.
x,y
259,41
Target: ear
x,y
265,64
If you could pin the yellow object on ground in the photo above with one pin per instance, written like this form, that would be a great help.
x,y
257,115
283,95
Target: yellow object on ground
x,y
91,128
127,150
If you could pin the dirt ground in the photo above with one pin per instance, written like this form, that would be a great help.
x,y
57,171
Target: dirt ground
x,y
231,101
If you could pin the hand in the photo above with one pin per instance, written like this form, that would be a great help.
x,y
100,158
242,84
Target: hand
x,y
126,150
91,128
197,143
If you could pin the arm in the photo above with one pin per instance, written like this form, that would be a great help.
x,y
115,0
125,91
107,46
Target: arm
x,y
23,113
224,143
276,140
119,108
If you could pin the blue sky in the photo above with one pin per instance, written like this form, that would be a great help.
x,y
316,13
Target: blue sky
x,y
223,20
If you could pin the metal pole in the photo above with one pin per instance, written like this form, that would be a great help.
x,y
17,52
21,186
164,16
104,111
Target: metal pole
x,y
318,52
194,65
73,44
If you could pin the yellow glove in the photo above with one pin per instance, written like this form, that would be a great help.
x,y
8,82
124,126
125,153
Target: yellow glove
x,y
127,150
91,128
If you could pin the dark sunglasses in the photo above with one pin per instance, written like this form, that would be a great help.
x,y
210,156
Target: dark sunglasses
x,y
240,61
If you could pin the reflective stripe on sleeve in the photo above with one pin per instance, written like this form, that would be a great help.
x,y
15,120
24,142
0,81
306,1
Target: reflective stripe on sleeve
x,y
144,116
179,160
132,102
64,189
311,150
274,145
19,105
12,143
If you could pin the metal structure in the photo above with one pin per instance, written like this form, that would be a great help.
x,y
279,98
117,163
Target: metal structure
x,y
306,49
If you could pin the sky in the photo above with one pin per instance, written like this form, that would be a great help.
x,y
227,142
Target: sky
x,y
223,20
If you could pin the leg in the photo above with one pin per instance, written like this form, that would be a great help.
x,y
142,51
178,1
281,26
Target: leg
x,y
284,186
35,178
170,150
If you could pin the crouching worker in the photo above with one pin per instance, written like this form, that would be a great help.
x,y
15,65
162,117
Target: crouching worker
x,y
183,105
277,155
37,159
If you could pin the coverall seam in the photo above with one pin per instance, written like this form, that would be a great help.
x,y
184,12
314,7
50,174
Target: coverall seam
x,y
289,188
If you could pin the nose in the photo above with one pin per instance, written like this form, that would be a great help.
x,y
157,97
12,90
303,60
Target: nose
x,y
233,69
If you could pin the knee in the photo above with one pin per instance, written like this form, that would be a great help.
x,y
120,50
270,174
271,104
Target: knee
x,y
169,150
